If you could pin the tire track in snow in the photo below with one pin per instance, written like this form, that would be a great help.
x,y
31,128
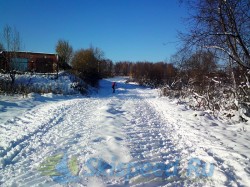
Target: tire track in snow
x,y
55,132
149,142
15,146
195,139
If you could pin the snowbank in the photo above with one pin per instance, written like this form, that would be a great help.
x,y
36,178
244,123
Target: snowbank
x,y
66,83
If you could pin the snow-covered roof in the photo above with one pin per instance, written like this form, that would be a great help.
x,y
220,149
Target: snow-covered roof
x,y
30,52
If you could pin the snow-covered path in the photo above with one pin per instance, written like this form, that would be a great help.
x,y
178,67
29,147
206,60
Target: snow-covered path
x,y
130,138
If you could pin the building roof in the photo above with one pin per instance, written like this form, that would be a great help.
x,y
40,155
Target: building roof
x,y
29,52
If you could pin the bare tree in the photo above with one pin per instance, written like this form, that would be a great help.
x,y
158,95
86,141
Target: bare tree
x,y
105,68
1,47
223,26
12,43
85,64
65,52
98,52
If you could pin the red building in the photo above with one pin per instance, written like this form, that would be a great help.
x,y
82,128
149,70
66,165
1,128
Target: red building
x,y
29,62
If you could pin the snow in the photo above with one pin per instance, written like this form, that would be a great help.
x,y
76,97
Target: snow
x,y
46,83
132,128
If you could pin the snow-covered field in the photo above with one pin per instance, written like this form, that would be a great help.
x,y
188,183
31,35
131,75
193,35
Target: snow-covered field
x,y
130,138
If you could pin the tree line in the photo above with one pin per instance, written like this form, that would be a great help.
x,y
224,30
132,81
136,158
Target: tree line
x,y
90,65
147,73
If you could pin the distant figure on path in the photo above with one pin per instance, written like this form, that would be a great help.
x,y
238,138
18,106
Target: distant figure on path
x,y
113,86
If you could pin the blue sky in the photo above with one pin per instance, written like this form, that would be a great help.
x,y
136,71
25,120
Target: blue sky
x,y
134,30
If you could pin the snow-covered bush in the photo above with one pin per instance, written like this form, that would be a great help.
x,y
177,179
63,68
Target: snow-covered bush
x,y
64,83
217,95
